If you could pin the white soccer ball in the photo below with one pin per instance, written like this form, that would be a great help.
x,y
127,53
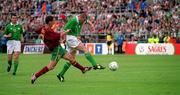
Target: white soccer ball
x,y
113,66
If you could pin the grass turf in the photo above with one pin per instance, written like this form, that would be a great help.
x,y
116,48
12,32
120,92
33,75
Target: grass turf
x,y
137,75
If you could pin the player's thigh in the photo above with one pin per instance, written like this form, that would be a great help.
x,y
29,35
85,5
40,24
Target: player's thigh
x,y
58,53
16,55
73,52
69,57
81,47
17,46
72,41
10,47
17,49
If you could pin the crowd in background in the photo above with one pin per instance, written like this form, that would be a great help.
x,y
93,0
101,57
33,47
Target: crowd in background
x,y
134,20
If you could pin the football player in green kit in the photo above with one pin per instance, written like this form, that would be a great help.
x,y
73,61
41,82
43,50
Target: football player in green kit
x,y
73,43
13,32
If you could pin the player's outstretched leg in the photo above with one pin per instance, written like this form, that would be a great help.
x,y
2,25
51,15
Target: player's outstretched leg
x,y
38,74
66,66
44,70
60,76
72,61
89,57
93,62
70,58
75,64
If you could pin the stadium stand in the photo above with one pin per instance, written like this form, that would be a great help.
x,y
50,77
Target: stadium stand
x,y
136,20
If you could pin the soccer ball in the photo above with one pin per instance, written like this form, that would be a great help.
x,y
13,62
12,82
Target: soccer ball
x,y
113,66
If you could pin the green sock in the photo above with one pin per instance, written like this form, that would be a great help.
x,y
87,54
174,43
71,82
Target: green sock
x,y
90,59
15,66
65,68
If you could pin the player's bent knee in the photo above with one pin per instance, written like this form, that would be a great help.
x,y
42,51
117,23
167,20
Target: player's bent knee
x,y
69,57
72,61
16,55
73,56
50,67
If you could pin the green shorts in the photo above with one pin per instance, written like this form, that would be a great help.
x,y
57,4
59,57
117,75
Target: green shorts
x,y
58,53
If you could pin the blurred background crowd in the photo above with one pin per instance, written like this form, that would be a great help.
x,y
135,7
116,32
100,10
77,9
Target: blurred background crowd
x,y
153,21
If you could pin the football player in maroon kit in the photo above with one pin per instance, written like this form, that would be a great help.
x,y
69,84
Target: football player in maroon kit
x,y
52,41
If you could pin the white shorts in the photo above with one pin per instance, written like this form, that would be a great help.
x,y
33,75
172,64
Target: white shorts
x,y
72,41
13,46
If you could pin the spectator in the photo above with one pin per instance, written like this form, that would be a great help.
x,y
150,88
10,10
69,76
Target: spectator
x,y
143,20
49,7
153,39
143,5
109,42
166,38
120,40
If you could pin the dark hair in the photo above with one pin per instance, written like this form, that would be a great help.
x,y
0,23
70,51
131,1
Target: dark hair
x,y
48,19
13,14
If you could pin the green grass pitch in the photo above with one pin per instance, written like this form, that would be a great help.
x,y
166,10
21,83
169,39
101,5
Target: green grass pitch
x,y
137,75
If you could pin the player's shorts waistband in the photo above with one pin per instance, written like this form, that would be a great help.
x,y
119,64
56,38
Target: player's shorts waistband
x,y
13,40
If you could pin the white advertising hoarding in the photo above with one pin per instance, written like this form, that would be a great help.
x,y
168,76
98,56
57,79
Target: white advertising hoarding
x,y
154,49
33,49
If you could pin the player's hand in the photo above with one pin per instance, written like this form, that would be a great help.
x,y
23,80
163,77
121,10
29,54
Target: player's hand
x,y
8,36
22,40
62,37
92,28
62,34
79,37
68,30
41,36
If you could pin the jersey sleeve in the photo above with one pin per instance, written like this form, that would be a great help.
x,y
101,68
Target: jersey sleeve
x,y
6,31
72,22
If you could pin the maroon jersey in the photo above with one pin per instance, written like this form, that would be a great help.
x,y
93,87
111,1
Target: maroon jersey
x,y
51,38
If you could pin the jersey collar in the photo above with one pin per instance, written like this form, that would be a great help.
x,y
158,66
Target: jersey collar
x,y
13,24
77,19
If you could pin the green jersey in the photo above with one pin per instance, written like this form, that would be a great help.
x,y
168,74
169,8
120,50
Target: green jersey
x,y
15,30
74,25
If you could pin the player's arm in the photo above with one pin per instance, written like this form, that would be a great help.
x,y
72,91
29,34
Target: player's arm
x,y
67,31
91,25
6,33
22,38
42,33
63,36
